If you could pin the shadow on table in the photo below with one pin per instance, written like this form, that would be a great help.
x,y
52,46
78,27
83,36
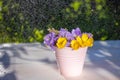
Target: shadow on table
x,y
5,64
105,55
52,63
18,50
102,53
9,76
15,50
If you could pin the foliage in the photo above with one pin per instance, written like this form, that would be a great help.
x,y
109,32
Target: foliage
x,y
92,16
36,36
28,20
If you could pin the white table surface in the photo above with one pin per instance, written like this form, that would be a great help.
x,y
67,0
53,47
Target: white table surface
x,y
36,62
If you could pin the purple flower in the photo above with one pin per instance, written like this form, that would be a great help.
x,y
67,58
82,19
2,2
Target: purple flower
x,y
76,32
69,36
90,35
62,32
54,38
49,39
66,33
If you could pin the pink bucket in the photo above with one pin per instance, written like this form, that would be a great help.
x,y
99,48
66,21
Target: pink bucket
x,y
70,62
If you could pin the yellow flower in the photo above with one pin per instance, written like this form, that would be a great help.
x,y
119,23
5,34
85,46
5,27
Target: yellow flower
x,y
78,38
89,42
61,42
84,37
81,42
84,40
75,44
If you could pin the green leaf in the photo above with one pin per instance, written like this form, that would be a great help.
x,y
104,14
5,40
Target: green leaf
x,y
1,16
104,37
1,3
99,7
76,5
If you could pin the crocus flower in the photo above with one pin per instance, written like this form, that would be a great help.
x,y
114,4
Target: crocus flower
x,y
87,39
61,42
84,37
75,44
66,33
69,36
76,32
62,32
90,35
49,39
79,39
63,38
89,42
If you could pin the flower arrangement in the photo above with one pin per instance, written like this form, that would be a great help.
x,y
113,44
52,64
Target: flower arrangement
x,y
63,38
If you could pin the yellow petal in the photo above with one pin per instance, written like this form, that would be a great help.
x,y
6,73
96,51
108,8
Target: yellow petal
x,y
75,44
61,42
79,40
90,42
84,37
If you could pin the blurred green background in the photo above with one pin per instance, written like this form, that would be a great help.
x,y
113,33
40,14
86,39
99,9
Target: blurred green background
x,y
28,20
